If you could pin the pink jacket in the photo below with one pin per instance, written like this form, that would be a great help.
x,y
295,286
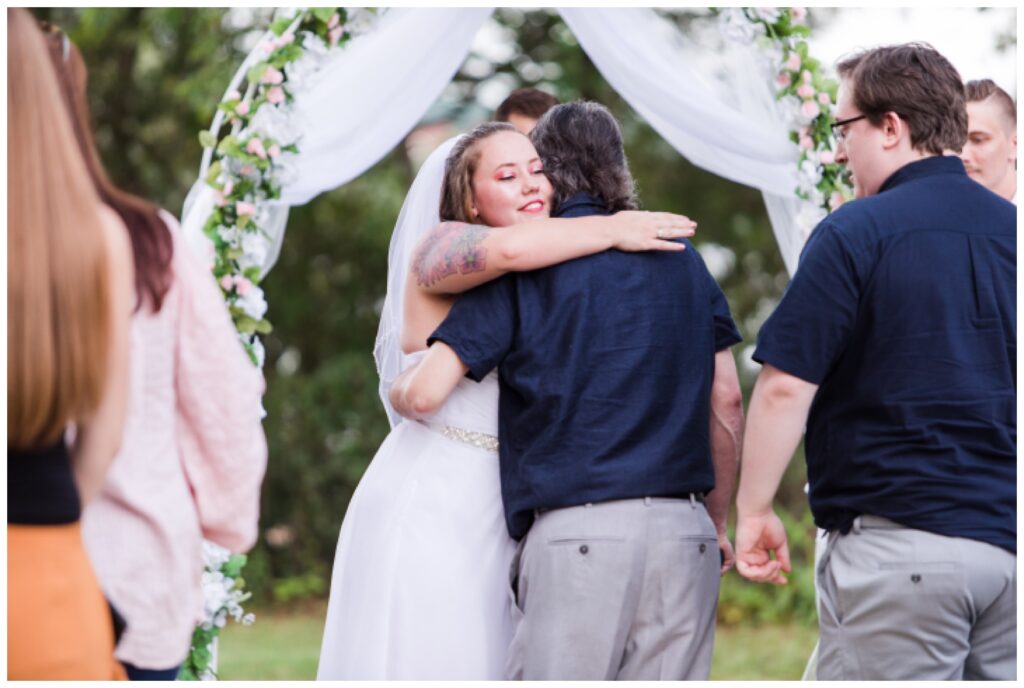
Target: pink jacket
x,y
190,466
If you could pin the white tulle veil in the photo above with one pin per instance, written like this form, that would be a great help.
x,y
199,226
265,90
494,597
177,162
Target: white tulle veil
x,y
420,212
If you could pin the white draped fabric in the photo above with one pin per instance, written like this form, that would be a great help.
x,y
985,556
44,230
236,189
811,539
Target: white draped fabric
x,y
378,87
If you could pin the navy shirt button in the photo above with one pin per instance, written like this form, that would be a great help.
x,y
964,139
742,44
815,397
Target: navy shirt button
x,y
584,549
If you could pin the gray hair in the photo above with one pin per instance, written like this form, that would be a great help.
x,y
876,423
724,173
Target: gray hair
x,y
580,144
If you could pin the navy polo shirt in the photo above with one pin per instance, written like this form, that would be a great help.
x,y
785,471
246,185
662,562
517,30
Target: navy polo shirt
x,y
903,310
605,366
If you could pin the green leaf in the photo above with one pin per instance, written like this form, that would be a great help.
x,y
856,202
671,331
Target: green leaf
x,y
206,139
279,26
214,172
252,274
264,327
324,14
245,324
255,73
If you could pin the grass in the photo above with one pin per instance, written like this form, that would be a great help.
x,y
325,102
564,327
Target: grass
x,y
286,646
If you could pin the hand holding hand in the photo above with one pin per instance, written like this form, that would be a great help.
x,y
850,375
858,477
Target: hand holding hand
x,y
757,536
728,555
638,230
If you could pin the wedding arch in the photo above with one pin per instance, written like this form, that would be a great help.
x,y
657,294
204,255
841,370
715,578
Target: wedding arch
x,y
313,116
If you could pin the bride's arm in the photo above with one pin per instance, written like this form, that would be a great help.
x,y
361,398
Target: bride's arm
x,y
455,257
421,389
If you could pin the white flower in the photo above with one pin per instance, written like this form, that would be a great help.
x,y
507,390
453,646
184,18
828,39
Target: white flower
x,y
253,304
735,25
810,170
248,619
808,218
214,556
360,20
768,14
230,235
274,123
255,248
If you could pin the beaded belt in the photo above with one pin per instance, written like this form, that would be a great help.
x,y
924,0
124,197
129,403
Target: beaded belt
x,y
474,439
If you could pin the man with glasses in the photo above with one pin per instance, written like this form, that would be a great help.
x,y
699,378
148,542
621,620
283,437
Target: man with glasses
x,y
895,345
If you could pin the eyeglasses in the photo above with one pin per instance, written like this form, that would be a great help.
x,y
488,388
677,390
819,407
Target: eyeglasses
x,y
837,127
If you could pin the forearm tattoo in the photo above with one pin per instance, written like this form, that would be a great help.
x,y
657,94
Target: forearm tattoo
x,y
452,247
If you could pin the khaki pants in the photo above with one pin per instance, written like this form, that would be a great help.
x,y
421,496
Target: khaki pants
x,y
899,603
616,590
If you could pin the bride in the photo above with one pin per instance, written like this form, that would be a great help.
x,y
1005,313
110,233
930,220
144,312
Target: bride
x,y
420,583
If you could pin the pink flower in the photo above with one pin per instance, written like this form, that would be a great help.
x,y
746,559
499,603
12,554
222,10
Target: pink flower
x,y
270,46
807,76
810,109
783,80
793,63
218,198
275,95
334,35
836,200
333,21
798,14
824,99
806,143
232,95
243,208
826,157
272,76
226,283
286,39
246,170
805,91
229,186
242,108
274,151
255,147
242,285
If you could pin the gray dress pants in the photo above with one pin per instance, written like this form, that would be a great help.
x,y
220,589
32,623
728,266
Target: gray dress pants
x,y
616,590
899,603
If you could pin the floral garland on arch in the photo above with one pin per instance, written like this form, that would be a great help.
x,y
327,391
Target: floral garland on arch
x,y
250,164
805,96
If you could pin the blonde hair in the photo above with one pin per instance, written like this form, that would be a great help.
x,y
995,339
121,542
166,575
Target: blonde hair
x,y
59,302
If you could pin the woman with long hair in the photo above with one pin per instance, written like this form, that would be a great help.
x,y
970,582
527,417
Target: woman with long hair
x,y
420,581
194,452
69,302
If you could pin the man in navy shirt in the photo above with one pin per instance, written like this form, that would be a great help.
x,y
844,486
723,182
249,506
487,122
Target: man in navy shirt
x,y
619,410
895,344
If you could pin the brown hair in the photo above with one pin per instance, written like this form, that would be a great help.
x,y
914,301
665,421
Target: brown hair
x,y
580,144
459,168
983,89
917,83
59,301
530,102
152,247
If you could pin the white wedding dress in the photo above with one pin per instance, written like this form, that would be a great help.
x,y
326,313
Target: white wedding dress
x,y
420,588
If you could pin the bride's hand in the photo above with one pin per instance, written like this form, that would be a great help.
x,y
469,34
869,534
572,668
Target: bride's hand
x,y
639,230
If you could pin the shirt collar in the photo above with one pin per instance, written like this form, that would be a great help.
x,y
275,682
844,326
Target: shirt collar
x,y
926,167
578,200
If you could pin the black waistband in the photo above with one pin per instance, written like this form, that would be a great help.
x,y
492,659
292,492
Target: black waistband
x,y
41,488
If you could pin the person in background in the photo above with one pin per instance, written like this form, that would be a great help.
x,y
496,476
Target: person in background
x,y
69,302
990,154
523,107
194,453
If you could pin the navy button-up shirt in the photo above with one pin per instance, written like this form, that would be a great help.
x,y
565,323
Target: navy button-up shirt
x,y
903,310
605,366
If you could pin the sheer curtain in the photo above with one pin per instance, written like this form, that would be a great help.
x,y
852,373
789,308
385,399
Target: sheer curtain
x,y
375,91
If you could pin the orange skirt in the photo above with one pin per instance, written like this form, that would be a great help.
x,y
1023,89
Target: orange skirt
x,y
58,623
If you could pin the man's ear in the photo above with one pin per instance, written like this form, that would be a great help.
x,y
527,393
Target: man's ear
x,y
894,130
